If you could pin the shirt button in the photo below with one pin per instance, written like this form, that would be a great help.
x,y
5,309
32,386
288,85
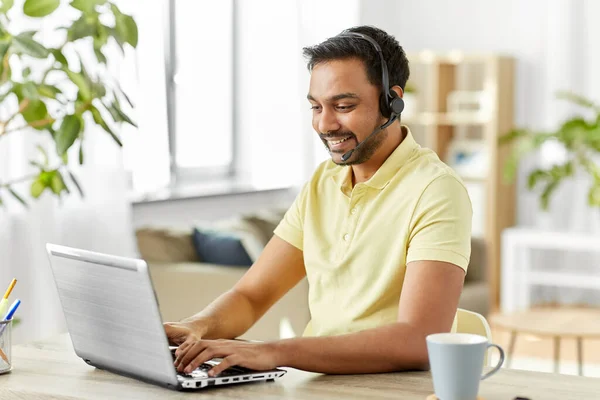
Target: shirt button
x,y
346,237
353,211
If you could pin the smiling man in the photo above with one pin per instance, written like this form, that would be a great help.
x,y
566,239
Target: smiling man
x,y
381,231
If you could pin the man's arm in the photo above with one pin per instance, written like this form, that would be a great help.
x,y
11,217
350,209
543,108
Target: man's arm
x,y
427,305
278,269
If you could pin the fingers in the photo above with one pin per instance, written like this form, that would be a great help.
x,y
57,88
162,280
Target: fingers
x,y
227,362
182,348
205,355
192,355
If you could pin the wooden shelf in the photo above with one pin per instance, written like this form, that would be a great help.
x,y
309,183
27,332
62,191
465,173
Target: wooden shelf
x,y
462,98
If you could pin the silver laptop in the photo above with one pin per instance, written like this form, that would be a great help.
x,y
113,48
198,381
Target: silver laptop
x,y
115,324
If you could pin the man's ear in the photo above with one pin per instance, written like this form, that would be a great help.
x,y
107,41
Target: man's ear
x,y
398,90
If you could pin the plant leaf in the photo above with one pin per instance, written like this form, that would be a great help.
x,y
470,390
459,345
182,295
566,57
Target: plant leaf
x,y
100,121
40,8
125,95
6,5
126,30
34,112
577,99
83,27
79,80
76,182
59,56
100,56
29,91
86,6
26,72
534,178
57,184
48,91
37,188
547,192
67,133
594,194
81,153
23,43
130,30
16,196
120,115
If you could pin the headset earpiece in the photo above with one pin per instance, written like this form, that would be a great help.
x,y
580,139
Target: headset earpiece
x,y
391,104
397,103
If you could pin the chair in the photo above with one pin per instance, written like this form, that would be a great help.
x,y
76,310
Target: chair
x,y
472,322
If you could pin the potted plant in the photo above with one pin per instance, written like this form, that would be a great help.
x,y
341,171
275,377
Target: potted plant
x,y
50,89
579,135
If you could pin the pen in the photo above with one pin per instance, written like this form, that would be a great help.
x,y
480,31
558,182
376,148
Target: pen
x,y
4,301
12,310
10,314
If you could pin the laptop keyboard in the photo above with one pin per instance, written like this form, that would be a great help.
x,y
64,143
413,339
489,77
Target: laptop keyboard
x,y
202,371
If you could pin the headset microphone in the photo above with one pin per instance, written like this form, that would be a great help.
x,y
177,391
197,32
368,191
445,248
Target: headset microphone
x,y
348,154
390,104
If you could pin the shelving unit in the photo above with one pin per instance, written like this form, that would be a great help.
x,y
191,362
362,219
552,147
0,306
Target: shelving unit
x,y
464,133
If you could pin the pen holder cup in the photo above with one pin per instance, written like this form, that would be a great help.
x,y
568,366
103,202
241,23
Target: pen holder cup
x,y
5,346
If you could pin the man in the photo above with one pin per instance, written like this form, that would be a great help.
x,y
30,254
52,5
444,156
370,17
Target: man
x,y
382,233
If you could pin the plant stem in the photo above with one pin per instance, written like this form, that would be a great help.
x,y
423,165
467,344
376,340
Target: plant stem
x,y
32,124
19,180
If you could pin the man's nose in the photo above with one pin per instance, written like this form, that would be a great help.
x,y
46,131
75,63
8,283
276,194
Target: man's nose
x,y
328,122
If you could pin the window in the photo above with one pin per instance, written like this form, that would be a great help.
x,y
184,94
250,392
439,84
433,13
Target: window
x,y
200,82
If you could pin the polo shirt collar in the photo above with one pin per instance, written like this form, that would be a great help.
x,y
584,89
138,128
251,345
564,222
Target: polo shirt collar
x,y
387,170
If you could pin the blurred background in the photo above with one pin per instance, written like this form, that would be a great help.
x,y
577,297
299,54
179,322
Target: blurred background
x,y
188,133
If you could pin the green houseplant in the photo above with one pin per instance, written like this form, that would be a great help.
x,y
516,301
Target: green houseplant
x,y
579,135
50,89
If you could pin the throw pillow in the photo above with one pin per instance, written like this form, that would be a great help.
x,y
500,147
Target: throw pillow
x,y
223,248
162,245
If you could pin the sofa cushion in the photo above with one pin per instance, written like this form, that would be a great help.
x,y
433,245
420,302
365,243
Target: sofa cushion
x,y
162,245
221,248
476,272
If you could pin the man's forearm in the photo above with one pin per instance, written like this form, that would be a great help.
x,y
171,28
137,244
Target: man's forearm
x,y
227,317
389,348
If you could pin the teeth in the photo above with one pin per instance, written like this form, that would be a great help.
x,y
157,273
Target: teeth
x,y
339,141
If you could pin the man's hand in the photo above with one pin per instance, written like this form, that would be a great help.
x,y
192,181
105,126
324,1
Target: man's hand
x,y
180,332
258,356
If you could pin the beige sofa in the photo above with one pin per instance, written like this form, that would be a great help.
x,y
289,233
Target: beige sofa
x,y
184,285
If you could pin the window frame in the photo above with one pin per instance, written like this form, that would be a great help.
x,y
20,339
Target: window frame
x,y
198,174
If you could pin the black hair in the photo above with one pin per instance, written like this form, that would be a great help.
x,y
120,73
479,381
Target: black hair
x,y
339,48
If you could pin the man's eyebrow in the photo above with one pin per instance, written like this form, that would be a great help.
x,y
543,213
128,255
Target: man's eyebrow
x,y
337,97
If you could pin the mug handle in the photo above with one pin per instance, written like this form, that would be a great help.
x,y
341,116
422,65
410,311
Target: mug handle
x,y
500,362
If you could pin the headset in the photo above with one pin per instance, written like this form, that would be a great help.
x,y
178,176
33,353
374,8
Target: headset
x,y
390,104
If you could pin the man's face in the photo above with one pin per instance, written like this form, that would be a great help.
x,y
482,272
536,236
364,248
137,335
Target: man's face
x,y
345,109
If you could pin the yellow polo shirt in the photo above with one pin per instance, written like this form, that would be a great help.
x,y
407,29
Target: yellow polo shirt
x,y
357,241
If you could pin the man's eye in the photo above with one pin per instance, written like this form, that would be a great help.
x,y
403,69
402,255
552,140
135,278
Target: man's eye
x,y
345,108
316,108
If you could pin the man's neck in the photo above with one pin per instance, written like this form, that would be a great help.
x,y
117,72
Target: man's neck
x,y
363,172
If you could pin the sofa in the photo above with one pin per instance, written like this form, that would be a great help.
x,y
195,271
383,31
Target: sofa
x,y
185,284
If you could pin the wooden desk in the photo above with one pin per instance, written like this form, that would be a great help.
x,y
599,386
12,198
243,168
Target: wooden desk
x,y
51,370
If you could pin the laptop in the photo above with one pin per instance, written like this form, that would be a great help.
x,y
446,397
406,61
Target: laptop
x,y
112,316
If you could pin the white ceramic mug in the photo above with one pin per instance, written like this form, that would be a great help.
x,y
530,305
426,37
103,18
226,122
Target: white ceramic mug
x,y
456,361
